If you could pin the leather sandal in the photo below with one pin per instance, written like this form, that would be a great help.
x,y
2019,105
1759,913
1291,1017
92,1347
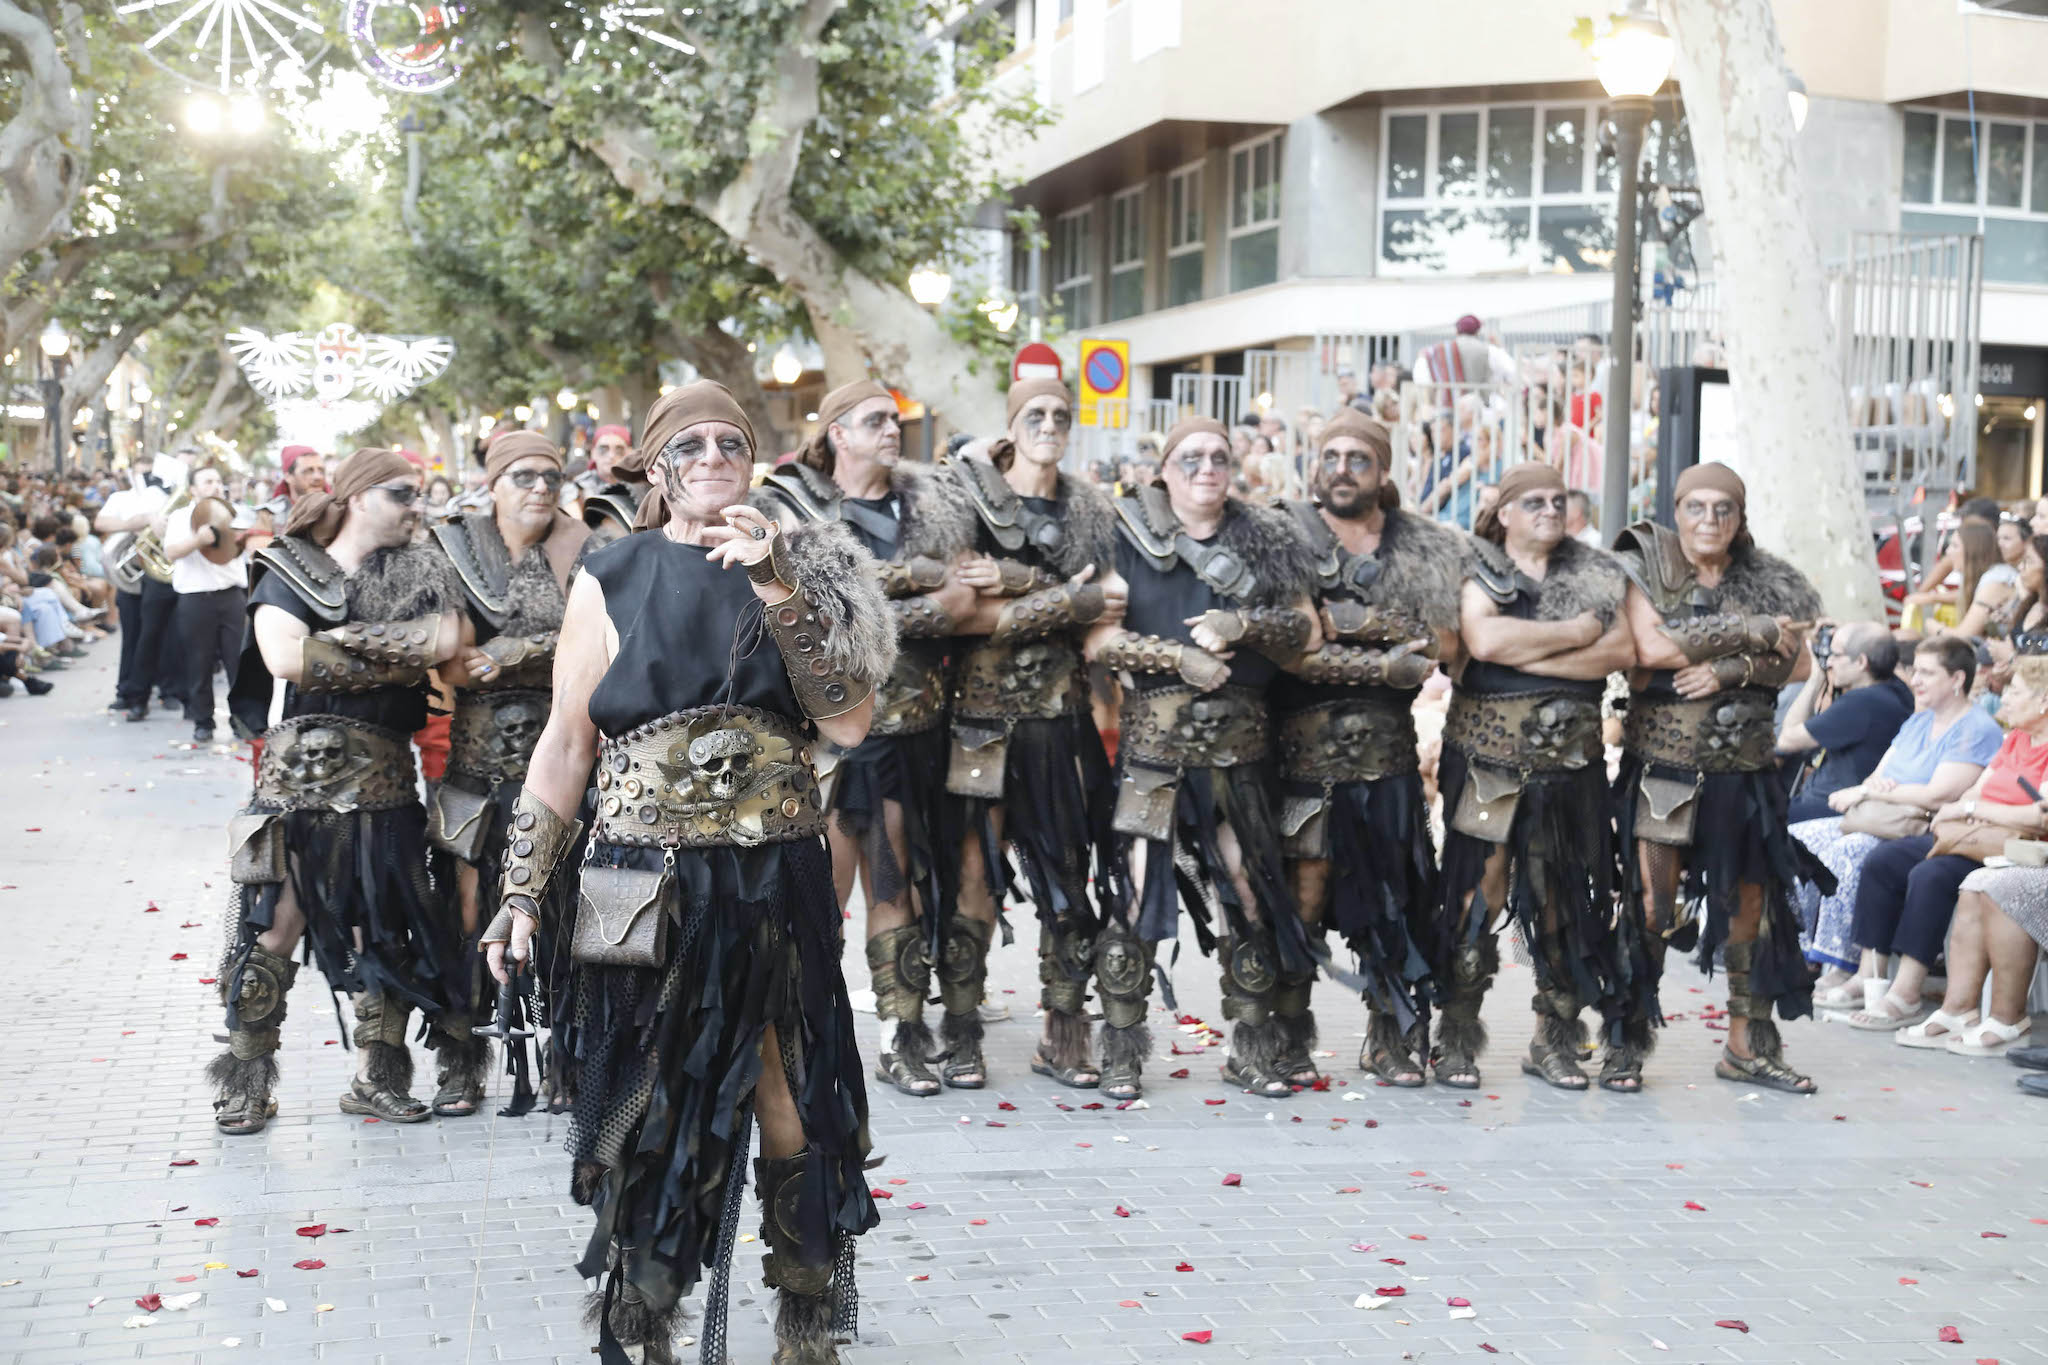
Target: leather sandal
x,y
1454,1068
238,1117
913,1078
1121,1083
1246,1079
965,1060
456,1100
387,1105
1380,1057
1618,1069
1082,1077
1554,1067
1768,1072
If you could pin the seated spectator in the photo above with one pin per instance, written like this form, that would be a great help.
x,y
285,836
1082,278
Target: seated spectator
x,y
1849,710
1909,887
1997,583
2024,612
1936,756
2001,921
1933,603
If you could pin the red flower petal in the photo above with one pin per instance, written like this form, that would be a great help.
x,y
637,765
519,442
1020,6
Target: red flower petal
x,y
206,1222
1093,1104
1418,1174
183,1279
1736,1323
1129,1303
1393,1260
1999,1235
209,980
1392,1291
977,1222
186,1161
1213,1101
1950,1335
1923,1184
1349,1189
1696,1208
1200,1338
913,1206
1904,1280
1417,1237
313,1230
177,957
247,1274
1122,1212
149,1303
1179,1075
898,1180
1674,1165
880,1194
309,1265
1183,1266
1006,1106
919,1279
1233,1179
994,1124
1458,1303
1489,1349
1321,1083
1372,1123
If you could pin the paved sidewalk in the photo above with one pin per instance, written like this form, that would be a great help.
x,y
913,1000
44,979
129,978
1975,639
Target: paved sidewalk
x,y
1908,1197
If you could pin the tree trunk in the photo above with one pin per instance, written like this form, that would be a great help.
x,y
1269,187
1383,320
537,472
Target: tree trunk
x,y
640,390
89,375
227,401
46,148
611,405
1798,454
719,355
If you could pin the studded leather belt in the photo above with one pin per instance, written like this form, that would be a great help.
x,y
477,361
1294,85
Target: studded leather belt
x,y
1731,732
1349,740
493,734
1028,680
1182,728
335,763
1526,731
706,776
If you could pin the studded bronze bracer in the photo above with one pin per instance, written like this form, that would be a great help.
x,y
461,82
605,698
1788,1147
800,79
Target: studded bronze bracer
x,y
1019,578
1718,636
1049,609
535,845
910,577
354,659
522,660
920,618
1136,653
799,627
1352,622
1364,666
1270,630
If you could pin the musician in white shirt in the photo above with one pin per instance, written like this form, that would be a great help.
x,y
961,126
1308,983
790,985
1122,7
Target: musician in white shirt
x,y
212,600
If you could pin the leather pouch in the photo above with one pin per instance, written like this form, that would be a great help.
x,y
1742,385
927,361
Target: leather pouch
x,y
1305,826
1486,807
621,918
978,757
1666,809
456,823
256,848
1144,802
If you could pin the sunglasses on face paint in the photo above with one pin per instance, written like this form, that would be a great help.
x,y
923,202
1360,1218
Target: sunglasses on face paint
x,y
1696,510
527,478
1192,462
404,494
1541,502
1357,461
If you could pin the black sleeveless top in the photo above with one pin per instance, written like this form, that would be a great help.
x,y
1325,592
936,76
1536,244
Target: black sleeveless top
x,y
1481,676
1160,604
403,709
888,507
690,635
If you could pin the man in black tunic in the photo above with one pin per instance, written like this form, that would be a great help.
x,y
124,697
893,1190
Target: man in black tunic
x,y
1027,758
350,616
514,563
892,822
1353,801
1201,573
1524,782
707,945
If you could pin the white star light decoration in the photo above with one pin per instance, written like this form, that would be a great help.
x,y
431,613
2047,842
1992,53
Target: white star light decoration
x,y
326,385
640,21
245,38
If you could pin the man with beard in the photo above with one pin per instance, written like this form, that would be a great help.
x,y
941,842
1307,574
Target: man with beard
x,y
1027,758
708,991
1701,811
350,616
1201,572
514,563
304,474
1524,781
614,486
893,822
1348,757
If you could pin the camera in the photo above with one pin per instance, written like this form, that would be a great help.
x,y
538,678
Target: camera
x,y
1823,644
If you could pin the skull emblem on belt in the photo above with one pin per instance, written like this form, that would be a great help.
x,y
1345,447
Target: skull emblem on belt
x,y
1029,670
723,760
1206,719
517,731
1553,730
1352,735
319,757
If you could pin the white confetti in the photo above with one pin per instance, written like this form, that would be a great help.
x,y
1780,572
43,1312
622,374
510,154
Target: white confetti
x,y
1457,1313
1370,1301
1751,1098
274,1305
1353,1097
1658,1344
178,1303
1121,1138
231,1341
1139,1104
139,1320
8,1284
96,1300
686,1341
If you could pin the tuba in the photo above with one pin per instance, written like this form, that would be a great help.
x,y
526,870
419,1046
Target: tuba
x,y
130,556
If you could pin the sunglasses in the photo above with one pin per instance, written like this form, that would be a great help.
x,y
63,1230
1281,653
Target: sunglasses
x,y
527,478
404,494
1357,461
1193,462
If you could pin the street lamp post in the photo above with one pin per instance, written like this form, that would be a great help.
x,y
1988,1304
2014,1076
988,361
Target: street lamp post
x,y
55,344
1632,62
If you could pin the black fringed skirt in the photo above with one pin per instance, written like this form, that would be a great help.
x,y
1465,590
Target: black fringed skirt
x,y
910,770
1057,792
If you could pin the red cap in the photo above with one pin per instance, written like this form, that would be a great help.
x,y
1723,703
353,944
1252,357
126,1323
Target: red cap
x,y
612,429
1468,326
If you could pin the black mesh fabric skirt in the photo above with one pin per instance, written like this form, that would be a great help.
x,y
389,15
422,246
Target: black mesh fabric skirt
x,y
373,875
1383,893
1057,792
1740,837
667,1060
911,770
1562,878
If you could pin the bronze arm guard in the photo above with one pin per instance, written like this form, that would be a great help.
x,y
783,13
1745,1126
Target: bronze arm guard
x,y
1716,637
909,577
1020,578
1348,621
1270,630
522,660
1048,610
1358,666
920,618
326,666
538,840
1767,668
1136,653
799,629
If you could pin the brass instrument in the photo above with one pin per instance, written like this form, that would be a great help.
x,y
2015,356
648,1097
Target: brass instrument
x,y
132,555
230,524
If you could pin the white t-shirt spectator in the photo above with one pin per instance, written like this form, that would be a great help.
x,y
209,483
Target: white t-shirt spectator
x,y
195,572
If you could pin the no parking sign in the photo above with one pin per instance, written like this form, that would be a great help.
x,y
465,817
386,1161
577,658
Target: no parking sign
x,y
1106,380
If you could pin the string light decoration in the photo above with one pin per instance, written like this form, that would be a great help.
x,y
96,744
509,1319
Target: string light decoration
x,y
242,40
403,46
325,385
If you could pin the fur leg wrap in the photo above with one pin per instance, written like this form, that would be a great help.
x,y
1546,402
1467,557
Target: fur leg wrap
x,y
388,1066
464,1059
635,1322
243,1085
381,1019
963,966
1558,1026
259,997
1259,1049
779,1181
803,1329
902,973
1461,1033
1248,978
1124,1050
1123,978
960,1035
1066,1040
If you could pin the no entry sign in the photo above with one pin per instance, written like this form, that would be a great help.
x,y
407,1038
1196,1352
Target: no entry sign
x,y
1105,382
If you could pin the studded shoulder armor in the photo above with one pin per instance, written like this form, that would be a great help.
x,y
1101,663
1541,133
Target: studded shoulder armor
x,y
1146,520
312,575
809,495
486,576
1655,562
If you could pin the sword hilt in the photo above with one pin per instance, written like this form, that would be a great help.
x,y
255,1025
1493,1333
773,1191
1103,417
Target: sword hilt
x,y
507,1021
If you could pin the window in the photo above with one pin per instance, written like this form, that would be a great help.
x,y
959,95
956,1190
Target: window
x,y
1255,212
1127,254
1990,176
1184,236
1073,266
1507,187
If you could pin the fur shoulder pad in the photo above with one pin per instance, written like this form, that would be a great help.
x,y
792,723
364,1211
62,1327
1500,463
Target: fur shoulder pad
x,y
1091,528
1281,560
938,515
1577,579
1761,583
403,584
838,575
1421,566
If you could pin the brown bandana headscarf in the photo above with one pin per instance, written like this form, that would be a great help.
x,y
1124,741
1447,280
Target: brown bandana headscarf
x,y
1191,426
1372,433
1002,452
1530,476
318,516
675,412
1716,477
817,452
513,446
